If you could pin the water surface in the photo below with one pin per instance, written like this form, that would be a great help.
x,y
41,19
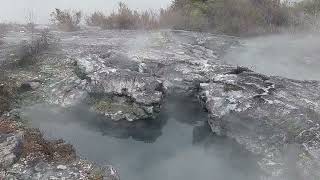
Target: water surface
x,y
178,147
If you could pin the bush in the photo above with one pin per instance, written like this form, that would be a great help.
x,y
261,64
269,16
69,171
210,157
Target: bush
x,y
124,18
234,17
96,19
310,7
27,50
66,20
311,12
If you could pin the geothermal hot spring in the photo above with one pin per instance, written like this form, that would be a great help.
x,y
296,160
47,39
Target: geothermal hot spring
x,y
177,146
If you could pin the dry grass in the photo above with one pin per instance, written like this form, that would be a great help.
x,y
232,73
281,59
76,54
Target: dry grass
x,y
7,126
35,145
56,151
8,90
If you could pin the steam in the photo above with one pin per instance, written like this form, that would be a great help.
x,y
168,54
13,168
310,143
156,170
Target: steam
x,y
295,56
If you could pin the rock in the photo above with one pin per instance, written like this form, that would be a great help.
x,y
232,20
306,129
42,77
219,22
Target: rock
x,y
40,167
10,145
30,85
111,173
266,115
61,167
137,90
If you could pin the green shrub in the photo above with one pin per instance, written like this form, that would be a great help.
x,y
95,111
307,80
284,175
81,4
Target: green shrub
x,y
310,7
234,17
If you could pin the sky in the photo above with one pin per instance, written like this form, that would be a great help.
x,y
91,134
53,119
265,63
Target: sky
x,y
17,10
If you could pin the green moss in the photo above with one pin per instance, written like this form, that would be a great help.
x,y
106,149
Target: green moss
x,y
114,105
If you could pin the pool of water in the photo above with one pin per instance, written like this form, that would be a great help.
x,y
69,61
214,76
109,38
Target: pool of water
x,y
177,146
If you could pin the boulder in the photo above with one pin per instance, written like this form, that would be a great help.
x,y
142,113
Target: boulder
x,y
270,116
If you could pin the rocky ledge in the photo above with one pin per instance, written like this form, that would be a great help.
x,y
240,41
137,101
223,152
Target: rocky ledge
x,y
273,117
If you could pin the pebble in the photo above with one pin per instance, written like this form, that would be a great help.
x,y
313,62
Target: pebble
x,y
61,167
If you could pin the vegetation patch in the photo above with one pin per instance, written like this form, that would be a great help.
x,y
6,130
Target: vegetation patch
x,y
7,126
8,92
232,17
55,150
124,18
118,104
27,50
239,17
66,20
35,146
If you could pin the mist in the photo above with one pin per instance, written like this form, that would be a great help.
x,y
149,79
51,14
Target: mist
x,y
295,56
17,10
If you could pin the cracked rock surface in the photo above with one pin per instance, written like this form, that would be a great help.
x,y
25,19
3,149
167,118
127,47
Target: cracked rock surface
x,y
274,117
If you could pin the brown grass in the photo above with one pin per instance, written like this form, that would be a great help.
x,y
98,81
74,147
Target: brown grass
x,y
7,126
8,90
56,151
36,146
